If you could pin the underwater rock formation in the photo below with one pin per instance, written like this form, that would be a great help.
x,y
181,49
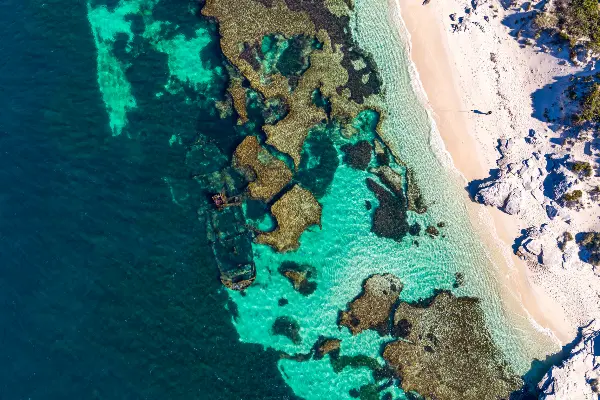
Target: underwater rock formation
x,y
390,178
447,352
358,156
267,174
414,197
299,275
295,211
288,327
389,219
432,231
324,346
578,377
238,96
372,308
330,69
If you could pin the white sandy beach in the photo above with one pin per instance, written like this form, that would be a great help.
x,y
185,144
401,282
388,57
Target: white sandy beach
x,y
459,74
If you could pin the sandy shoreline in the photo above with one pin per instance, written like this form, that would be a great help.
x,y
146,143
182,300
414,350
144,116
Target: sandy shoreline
x,y
470,139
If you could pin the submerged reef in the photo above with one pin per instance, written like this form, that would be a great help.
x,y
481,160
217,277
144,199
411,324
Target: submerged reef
x,y
442,350
295,211
300,275
372,308
298,67
289,49
389,220
288,327
446,352
358,155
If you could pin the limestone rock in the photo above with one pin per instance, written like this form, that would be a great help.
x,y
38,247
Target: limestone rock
x,y
494,193
578,376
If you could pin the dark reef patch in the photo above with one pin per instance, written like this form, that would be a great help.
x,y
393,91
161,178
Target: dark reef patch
x,y
358,156
390,218
288,327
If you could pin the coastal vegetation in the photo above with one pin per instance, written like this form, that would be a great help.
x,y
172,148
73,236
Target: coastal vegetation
x,y
590,241
579,21
582,168
590,106
573,198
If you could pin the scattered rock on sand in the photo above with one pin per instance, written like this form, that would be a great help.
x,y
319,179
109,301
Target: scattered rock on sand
x,y
299,275
432,231
372,308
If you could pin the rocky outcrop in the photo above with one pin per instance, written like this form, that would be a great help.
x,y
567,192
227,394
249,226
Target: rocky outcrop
x,y
578,376
295,211
300,275
324,346
372,308
267,174
446,352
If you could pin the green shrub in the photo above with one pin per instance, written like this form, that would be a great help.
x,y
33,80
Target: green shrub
x,y
591,242
590,106
567,236
575,195
582,167
546,20
580,20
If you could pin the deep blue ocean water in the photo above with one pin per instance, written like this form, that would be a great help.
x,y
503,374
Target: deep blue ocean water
x,y
107,289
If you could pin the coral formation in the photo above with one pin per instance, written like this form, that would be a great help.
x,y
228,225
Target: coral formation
x,y
295,211
267,174
330,69
372,308
446,351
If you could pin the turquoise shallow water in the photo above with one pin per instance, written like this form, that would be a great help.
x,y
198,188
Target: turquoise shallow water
x,y
344,251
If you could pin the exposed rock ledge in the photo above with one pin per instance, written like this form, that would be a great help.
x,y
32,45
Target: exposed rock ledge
x,y
578,377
